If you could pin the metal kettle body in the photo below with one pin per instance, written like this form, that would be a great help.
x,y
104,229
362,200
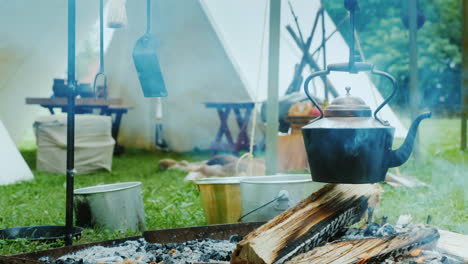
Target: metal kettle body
x,y
347,144
347,155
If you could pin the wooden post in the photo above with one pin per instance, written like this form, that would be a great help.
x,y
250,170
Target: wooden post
x,y
273,83
464,73
413,60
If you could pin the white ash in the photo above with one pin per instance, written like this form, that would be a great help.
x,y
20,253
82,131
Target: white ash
x,y
140,251
404,220
426,257
372,230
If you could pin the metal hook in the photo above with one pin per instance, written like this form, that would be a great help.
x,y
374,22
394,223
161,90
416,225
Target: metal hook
x,y
105,84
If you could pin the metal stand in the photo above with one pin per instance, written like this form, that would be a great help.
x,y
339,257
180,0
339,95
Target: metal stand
x,y
70,122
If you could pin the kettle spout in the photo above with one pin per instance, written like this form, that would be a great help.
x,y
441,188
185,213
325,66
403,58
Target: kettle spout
x,y
399,156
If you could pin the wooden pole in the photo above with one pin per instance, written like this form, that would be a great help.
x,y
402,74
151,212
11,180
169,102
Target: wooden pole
x,y
273,84
464,87
413,60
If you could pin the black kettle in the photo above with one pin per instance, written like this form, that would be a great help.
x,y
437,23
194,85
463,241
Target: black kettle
x,y
346,143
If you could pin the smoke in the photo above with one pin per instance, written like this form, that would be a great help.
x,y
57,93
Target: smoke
x,y
443,166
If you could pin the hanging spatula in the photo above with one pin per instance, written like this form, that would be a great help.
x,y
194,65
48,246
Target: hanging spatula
x,y
146,62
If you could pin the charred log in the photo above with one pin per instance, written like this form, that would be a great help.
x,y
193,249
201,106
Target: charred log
x,y
307,225
371,250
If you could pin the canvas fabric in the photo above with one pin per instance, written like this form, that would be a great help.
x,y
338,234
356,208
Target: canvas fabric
x,y
13,168
94,145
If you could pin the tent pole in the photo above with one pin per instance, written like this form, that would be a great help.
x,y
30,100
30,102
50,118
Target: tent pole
x,y
273,83
464,84
70,123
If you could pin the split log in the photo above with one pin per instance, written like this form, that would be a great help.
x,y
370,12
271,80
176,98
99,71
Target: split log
x,y
307,225
453,243
396,180
371,250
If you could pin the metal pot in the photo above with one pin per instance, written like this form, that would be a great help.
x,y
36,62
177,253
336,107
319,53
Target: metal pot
x,y
117,206
265,197
346,144
221,199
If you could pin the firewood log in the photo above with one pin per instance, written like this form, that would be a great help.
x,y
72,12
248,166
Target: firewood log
x,y
371,250
308,224
453,243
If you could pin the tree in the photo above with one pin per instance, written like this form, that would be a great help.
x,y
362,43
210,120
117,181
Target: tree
x,y
384,41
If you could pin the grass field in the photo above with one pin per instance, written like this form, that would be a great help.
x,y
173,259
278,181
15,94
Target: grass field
x,y
171,202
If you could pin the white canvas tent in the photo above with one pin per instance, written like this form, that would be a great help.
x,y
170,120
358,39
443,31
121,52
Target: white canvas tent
x,y
243,42
209,50
13,168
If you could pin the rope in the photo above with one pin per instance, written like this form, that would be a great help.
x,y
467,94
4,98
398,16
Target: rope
x,y
255,110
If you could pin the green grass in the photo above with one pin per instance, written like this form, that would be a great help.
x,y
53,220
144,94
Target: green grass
x,y
168,200
171,202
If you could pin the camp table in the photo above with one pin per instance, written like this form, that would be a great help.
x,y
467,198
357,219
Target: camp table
x,y
242,119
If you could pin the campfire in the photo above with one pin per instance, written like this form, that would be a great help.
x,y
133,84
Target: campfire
x,y
314,231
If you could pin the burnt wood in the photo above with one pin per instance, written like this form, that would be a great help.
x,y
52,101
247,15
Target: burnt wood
x,y
371,250
307,225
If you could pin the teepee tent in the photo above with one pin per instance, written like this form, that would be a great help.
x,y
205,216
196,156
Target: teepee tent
x,y
212,50
13,168
33,51
242,39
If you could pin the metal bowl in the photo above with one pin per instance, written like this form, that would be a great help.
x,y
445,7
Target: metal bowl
x,y
38,233
258,194
116,206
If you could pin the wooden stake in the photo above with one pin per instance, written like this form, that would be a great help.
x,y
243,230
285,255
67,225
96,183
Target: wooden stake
x,y
307,225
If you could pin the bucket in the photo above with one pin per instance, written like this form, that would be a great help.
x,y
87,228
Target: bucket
x,y
221,199
265,197
117,206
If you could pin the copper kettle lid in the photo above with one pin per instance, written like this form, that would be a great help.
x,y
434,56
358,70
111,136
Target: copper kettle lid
x,y
348,106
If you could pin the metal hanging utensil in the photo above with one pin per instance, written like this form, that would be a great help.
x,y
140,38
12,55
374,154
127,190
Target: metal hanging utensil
x,y
101,53
147,63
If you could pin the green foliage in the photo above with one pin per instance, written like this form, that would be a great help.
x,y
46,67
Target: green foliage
x,y
385,42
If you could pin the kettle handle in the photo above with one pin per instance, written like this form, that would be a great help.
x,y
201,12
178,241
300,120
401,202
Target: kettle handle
x,y
357,67
395,89
306,90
